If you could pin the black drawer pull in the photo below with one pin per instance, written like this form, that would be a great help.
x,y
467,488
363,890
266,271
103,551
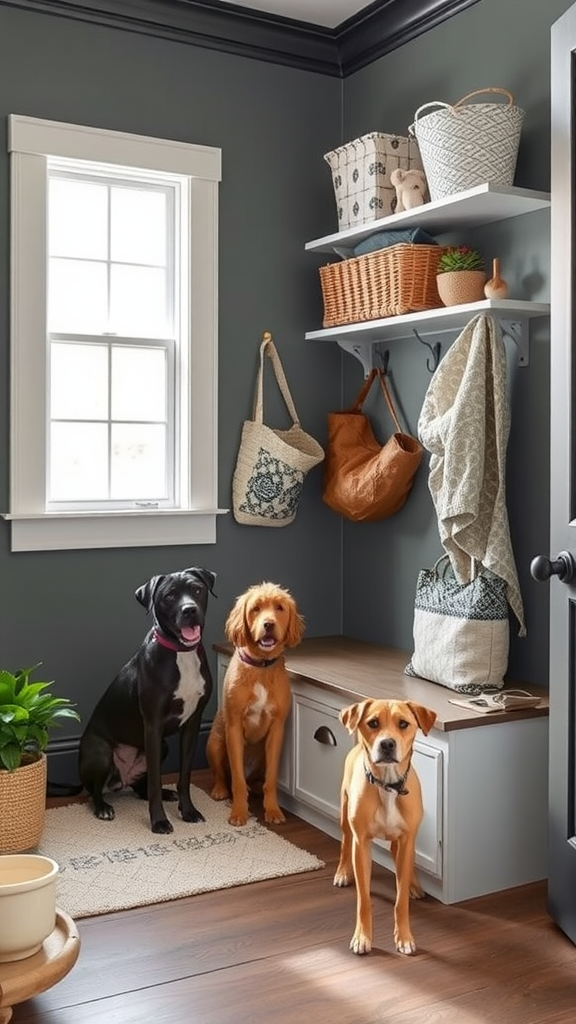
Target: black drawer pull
x,y
325,735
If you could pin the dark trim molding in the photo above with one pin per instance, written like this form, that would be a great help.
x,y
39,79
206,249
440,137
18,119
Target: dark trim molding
x,y
217,25
384,27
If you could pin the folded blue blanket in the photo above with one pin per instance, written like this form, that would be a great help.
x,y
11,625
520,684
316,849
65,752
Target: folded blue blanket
x,y
383,239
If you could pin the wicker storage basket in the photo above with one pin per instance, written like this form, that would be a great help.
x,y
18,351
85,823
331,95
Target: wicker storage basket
x,y
388,282
361,175
468,144
22,806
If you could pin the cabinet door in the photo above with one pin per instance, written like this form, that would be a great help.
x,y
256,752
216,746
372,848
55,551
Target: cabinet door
x,y
427,761
321,745
286,760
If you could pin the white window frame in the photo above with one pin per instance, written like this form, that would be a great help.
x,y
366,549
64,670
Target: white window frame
x,y
30,142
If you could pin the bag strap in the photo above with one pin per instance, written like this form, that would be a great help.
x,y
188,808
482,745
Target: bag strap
x,y
389,402
268,348
361,396
375,372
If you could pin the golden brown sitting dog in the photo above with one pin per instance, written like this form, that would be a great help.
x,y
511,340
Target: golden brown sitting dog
x,y
245,740
381,797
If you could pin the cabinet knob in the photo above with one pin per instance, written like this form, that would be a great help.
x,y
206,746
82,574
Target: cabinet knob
x,y
325,735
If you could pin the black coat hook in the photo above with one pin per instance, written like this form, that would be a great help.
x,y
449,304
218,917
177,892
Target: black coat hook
x,y
435,350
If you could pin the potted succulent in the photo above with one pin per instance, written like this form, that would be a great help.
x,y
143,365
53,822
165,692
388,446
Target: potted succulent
x,y
460,275
28,712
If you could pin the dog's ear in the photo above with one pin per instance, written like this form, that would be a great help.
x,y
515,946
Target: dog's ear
x,y
352,715
295,624
236,628
424,716
145,593
207,577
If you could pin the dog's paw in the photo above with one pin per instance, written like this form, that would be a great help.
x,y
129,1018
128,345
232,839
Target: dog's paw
x,y
162,827
105,813
405,945
341,877
274,816
191,814
238,817
219,792
416,891
170,795
360,943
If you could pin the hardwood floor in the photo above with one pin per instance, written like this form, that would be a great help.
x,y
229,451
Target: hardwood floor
x,y
276,952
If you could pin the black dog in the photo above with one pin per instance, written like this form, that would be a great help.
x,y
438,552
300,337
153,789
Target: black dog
x,y
162,690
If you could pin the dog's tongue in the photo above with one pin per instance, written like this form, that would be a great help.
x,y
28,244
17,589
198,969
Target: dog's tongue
x,y
191,634
268,641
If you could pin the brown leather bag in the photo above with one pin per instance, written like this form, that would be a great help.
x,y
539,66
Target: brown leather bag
x,y
364,480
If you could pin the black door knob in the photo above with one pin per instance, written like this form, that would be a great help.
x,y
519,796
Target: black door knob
x,y
564,567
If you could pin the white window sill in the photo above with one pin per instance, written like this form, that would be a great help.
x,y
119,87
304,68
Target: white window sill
x,y
78,531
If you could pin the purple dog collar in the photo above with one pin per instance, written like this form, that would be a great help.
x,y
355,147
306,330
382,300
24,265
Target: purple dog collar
x,y
164,641
255,662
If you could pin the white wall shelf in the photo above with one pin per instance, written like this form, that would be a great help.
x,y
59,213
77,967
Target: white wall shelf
x,y
359,339
484,204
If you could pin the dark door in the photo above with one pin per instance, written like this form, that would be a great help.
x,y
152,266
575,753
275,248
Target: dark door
x,y
562,835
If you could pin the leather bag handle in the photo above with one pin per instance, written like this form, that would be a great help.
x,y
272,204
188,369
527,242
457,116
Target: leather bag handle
x,y
268,348
362,394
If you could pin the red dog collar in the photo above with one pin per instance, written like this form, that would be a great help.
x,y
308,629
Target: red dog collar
x,y
255,662
164,641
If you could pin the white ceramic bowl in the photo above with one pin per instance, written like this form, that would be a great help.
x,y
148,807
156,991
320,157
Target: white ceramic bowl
x,y
27,903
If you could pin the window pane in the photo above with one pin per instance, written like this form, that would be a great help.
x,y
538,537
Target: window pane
x,y
78,462
138,226
78,219
138,383
79,381
77,297
138,302
138,462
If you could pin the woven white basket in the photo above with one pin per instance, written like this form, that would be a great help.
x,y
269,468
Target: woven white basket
x,y
361,172
468,144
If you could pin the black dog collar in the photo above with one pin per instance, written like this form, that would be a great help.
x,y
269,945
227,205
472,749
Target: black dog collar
x,y
165,641
256,662
390,787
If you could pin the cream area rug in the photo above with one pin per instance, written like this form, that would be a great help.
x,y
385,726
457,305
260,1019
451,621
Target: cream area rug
x,y
115,865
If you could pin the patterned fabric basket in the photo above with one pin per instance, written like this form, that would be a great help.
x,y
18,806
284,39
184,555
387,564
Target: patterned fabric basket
x,y
468,144
361,175
388,282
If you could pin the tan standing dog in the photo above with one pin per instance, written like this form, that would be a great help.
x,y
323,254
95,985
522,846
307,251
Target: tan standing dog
x,y
381,797
245,741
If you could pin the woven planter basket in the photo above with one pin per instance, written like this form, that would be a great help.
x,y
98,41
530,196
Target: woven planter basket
x,y
22,806
388,282
468,144
458,287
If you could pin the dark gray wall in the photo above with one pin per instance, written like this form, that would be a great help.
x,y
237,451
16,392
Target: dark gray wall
x,y
502,43
75,611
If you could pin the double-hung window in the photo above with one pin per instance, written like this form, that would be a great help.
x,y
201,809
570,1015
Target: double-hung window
x,y
113,338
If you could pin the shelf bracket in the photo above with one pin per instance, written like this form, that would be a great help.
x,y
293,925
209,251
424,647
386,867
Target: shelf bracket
x,y
366,351
518,332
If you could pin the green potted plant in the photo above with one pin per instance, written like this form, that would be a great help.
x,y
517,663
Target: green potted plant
x,y
28,712
460,275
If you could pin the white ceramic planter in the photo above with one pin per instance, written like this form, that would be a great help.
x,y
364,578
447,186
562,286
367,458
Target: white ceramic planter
x,y
27,904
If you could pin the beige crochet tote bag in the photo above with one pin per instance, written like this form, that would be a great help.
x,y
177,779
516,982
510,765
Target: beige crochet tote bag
x,y
271,463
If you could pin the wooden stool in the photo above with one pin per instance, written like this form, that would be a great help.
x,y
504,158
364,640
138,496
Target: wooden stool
x,y
23,979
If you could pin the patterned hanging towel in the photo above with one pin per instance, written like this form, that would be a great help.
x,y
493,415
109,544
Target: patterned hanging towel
x,y
464,423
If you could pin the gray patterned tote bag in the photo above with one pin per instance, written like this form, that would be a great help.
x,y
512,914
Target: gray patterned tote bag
x,y
461,630
271,464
